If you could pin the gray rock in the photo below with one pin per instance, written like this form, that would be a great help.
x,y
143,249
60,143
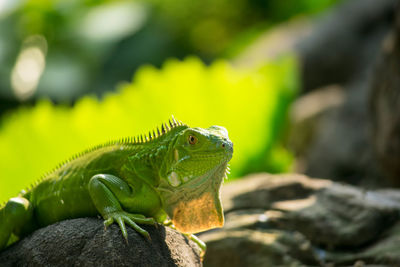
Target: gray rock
x,y
385,106
335,141
294,220
344,42
84,242
358,140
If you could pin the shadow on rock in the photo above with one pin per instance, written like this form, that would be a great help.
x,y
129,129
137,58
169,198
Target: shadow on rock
x,y
325,222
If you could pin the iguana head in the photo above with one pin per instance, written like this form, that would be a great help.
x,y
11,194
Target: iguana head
x,y
196,166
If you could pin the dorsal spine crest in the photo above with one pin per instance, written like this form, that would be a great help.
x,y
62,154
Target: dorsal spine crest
x,y
139,139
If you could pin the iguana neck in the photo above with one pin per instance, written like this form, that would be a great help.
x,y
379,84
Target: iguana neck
x,y
154,158
144,161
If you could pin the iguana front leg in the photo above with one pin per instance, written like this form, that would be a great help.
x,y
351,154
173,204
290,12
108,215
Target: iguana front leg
x,y
106,192
15,217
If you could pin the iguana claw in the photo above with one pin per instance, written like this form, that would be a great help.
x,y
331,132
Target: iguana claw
x,y
122,217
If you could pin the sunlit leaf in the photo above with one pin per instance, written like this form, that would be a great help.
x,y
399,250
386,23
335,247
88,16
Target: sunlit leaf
x,y
250,103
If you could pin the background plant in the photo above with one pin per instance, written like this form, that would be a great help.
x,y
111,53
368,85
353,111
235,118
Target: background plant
x,y
250,103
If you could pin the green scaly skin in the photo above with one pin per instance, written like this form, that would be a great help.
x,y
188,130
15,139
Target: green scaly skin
x,y
176,173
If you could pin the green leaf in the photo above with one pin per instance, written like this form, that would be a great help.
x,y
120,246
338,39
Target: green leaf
x,y
250,103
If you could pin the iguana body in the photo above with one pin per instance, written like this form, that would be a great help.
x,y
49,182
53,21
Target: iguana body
x,y
175,173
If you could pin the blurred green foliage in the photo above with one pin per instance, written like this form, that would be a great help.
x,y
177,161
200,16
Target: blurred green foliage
x,y
250,103
210,27
94,44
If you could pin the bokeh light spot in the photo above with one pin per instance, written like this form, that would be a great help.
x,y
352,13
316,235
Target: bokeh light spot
x,y
29,67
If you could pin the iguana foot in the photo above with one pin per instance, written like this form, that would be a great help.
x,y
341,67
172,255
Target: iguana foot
x,y
14,216
122,217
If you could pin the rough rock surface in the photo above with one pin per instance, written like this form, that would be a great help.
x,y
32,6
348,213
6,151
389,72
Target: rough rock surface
x,y
343,50
335,141
83,242
344,42
294,220
385,105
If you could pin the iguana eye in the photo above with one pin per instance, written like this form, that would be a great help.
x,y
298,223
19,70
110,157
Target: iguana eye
x,y
192,140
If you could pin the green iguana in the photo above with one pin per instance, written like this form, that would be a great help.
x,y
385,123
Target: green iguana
x,y
175,172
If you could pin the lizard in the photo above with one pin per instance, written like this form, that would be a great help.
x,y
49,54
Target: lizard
x,y
171,176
